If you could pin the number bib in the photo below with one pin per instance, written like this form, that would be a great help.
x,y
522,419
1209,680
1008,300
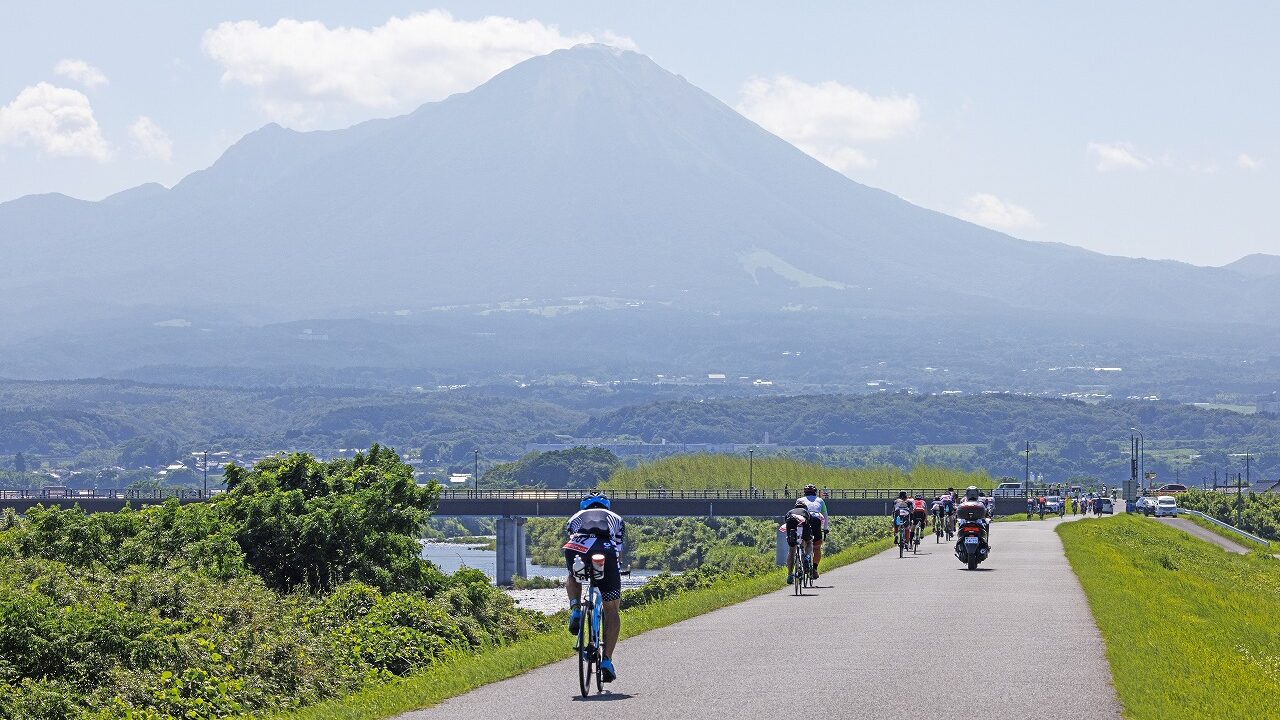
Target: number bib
x,y
580,544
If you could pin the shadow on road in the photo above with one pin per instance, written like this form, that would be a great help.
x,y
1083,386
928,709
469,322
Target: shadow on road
x,y
604,697
977,569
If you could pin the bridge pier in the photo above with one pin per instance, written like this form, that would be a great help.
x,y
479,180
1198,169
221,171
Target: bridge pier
x,y
512,546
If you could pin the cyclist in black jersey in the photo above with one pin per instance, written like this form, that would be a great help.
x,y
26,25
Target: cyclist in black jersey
x,y
596,529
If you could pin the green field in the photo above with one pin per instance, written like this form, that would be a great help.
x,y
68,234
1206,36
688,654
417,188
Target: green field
x,y
1190,629
693,472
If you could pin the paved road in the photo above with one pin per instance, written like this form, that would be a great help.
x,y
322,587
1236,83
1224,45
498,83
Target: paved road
x,y
1205,534
1019,624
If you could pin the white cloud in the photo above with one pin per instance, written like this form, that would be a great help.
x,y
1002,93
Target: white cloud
x,y
58,120
1118,156
828,120
990,211
306,73
81,72
151,139
1247,162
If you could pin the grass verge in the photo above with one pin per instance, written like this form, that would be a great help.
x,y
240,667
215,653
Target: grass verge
x,y
467,672
1190,629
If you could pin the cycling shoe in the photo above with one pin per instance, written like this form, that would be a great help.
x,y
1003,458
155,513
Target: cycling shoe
x,y
575,621
790,578
607,673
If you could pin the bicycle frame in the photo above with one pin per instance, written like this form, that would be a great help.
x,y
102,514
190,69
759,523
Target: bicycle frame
x,y
589,638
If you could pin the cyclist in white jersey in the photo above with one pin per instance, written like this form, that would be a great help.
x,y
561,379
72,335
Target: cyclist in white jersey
x,y
817,508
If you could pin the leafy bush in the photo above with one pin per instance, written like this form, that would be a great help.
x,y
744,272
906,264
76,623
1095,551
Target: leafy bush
x,y
181,611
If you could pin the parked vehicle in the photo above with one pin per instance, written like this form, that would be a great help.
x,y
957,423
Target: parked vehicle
x,y
1008,489
1166,506
1145,505
1104,505
1053,504
1171,488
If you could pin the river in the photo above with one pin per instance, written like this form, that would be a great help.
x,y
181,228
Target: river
x,y
450,557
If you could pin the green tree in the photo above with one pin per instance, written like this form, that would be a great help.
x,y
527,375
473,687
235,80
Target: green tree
x,y
303,523
20,463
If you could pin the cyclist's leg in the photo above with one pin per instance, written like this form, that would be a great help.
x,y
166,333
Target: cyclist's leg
x,y
815,535
611,593
571,584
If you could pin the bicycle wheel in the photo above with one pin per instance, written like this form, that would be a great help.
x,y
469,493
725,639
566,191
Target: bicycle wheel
x,y
796,577
584,656
597,642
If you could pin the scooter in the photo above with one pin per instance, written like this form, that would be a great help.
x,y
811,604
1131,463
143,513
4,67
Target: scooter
x,y
972,547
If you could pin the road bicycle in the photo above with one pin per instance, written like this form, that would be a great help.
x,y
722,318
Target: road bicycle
x,y
937,528
802,569
902,531
589,639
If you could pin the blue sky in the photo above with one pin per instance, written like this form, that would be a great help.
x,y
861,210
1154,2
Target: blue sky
x,y
1145,130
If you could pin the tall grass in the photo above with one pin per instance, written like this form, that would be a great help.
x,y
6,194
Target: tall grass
x,y
717,472
1190,629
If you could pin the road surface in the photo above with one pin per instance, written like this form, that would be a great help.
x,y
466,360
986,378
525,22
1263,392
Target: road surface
x,y
1205,534
882,638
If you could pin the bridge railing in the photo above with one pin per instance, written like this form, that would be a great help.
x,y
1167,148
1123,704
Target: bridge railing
x,y
738,494
152,494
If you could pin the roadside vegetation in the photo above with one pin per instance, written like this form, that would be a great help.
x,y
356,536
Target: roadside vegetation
x,y
302,583
707,471
1189,628
1255,513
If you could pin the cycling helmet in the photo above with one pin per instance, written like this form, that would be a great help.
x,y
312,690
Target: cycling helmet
x,y
594,499
810,489
801,504
971,493
902,495
919,496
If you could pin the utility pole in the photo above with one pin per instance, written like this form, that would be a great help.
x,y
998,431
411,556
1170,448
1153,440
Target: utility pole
x,y
476,472
206,474
1239,499
1026,474
751,456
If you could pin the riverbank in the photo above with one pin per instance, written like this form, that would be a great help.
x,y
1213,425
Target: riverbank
x,y
465,672
1190,628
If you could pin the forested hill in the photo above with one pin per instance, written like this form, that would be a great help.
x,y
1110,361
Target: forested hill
x,y
901,419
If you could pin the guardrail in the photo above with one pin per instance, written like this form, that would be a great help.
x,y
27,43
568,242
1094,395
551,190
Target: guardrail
x,y
1263,541
739,494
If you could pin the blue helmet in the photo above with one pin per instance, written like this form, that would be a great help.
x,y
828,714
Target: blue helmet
x,y
595,498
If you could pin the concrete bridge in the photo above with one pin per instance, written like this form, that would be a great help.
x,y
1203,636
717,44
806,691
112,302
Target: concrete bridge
x,y
513,506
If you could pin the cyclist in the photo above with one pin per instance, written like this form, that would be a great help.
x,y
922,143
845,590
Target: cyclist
x,y
817,508
935,513
918,515
596,529
949,510
798,530
902,503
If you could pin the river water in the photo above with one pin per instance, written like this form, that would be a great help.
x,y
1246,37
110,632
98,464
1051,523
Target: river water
x,y
450,557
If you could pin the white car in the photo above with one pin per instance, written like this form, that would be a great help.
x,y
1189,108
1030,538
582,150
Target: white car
x,y
1166,506
1145,505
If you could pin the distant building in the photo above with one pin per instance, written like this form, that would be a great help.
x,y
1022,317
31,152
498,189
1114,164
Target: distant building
x,y
459,478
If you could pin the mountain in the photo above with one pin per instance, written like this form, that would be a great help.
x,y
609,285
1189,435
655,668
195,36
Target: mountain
x,y
1257,265
591,174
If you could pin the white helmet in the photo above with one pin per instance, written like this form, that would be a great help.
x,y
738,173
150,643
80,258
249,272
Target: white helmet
x,y
971,492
